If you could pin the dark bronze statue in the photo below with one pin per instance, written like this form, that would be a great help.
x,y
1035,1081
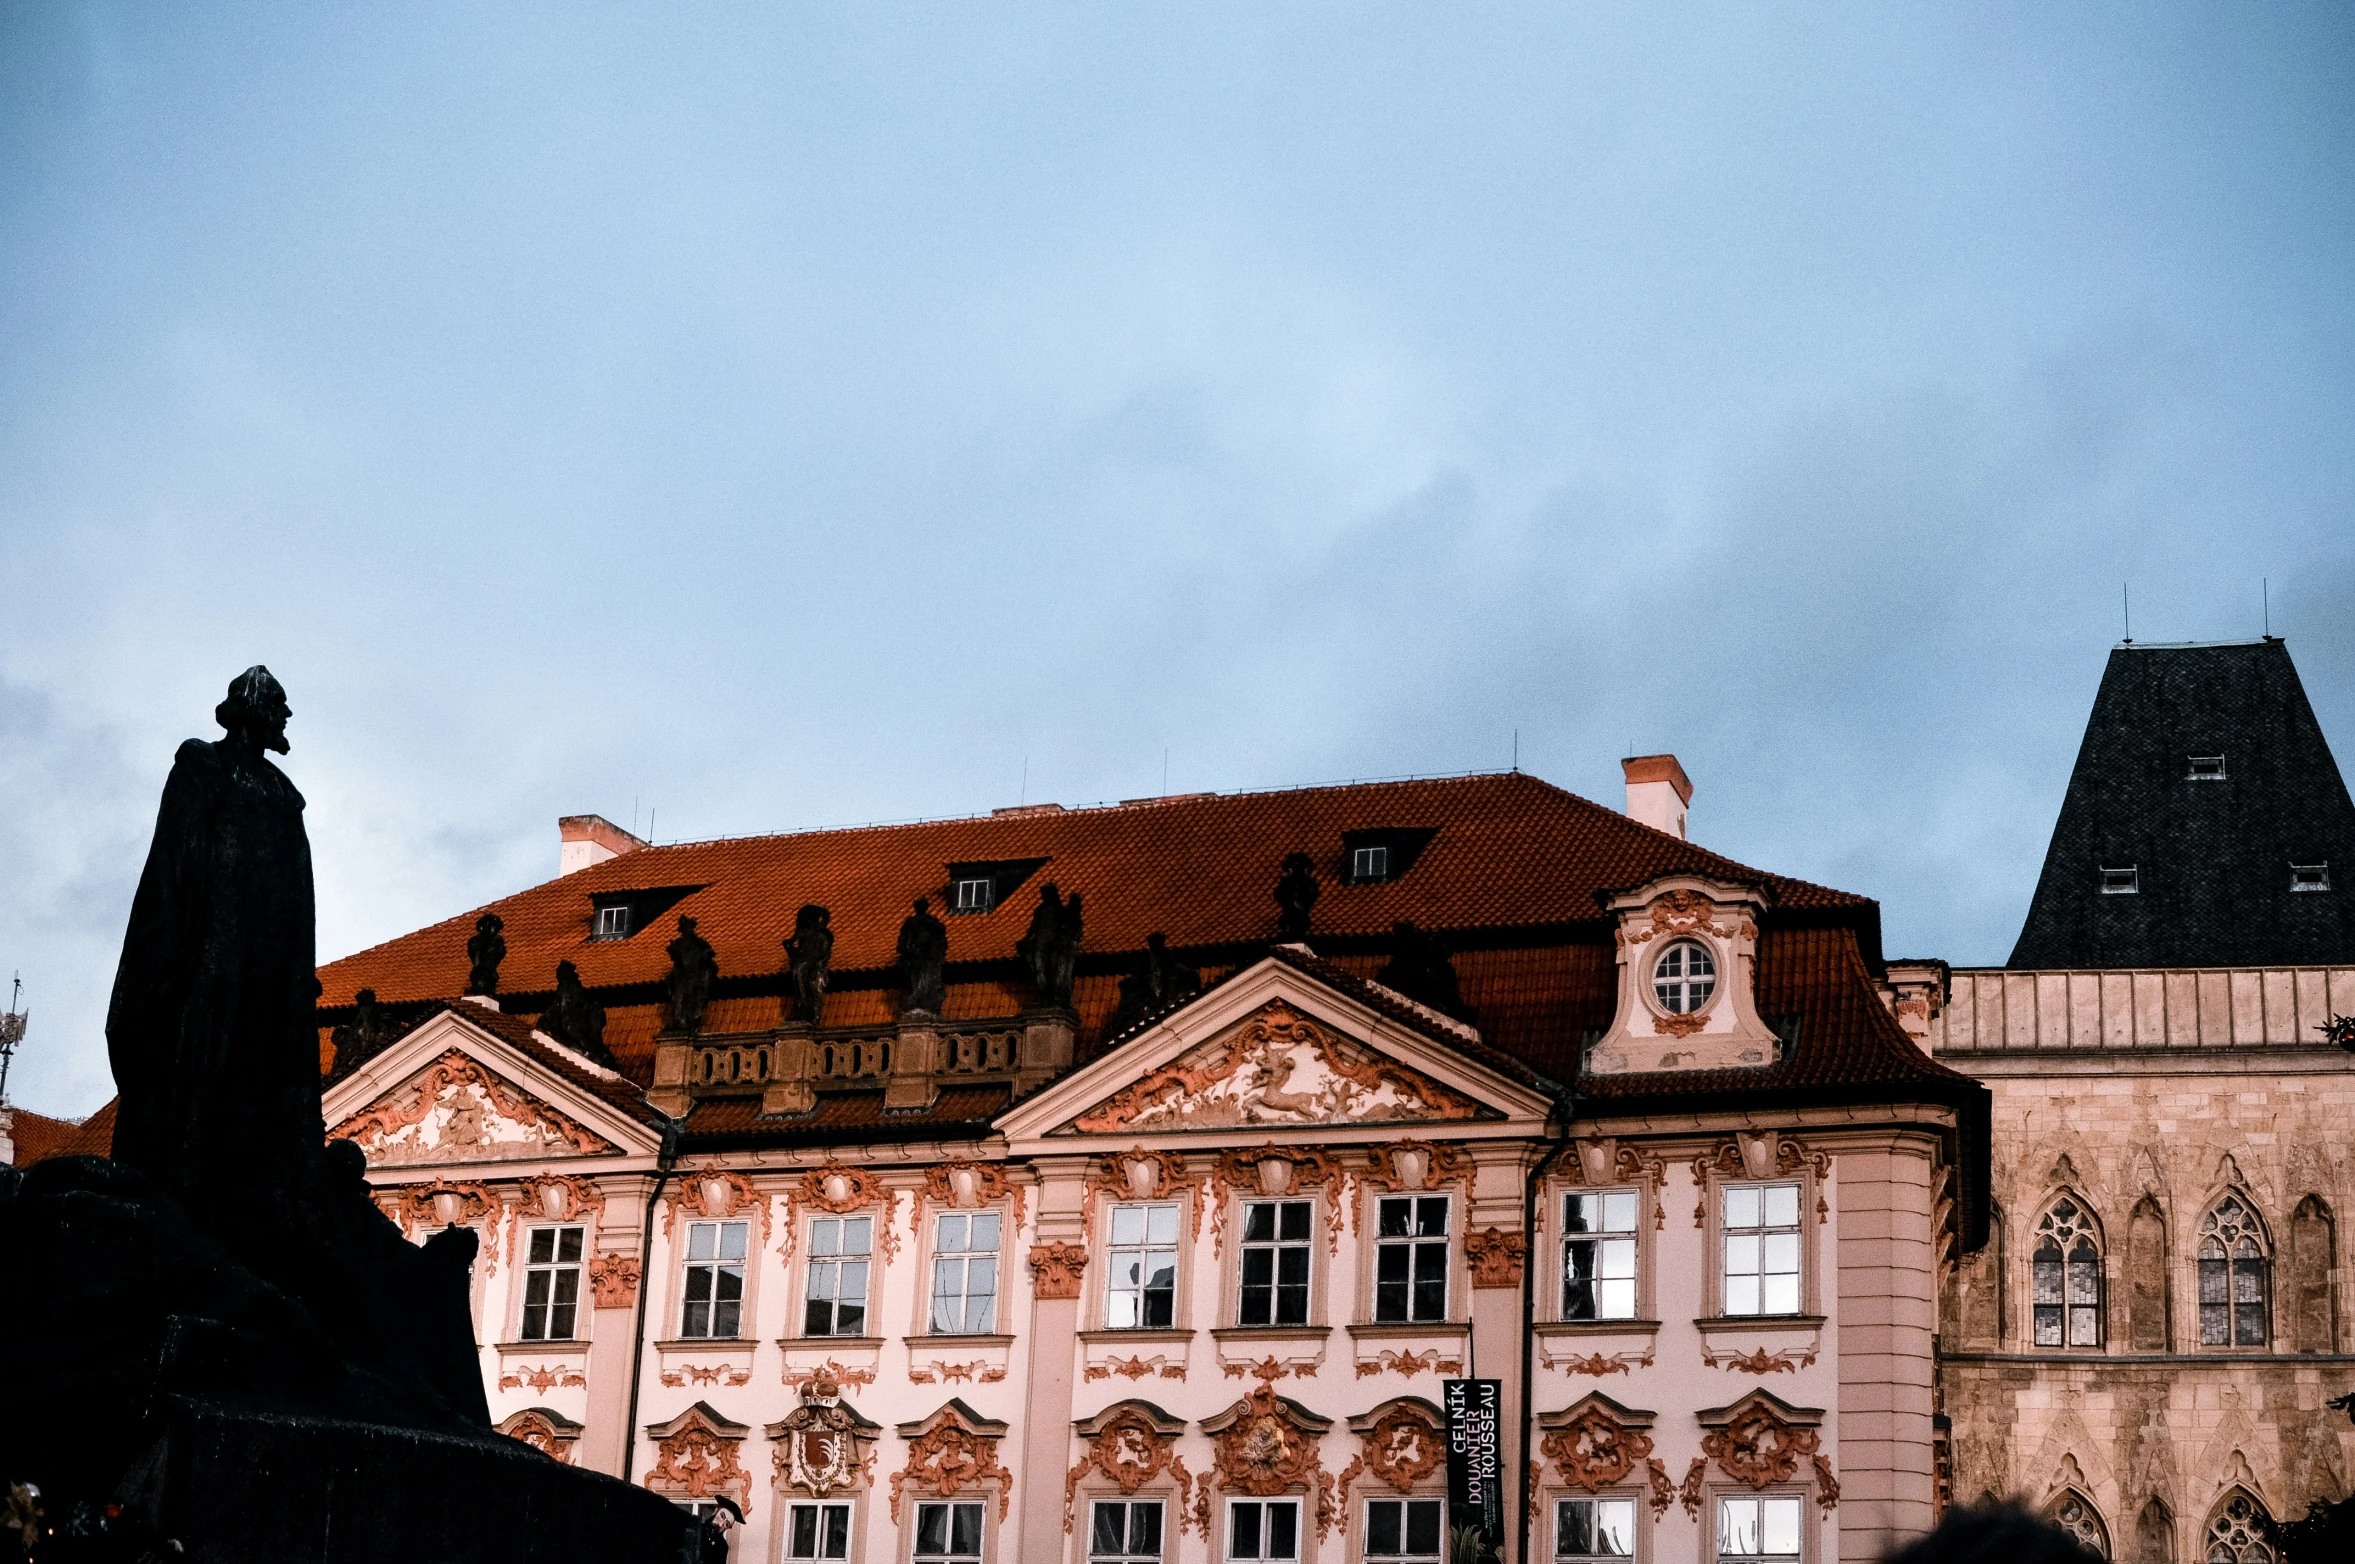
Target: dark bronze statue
x,y
1296,895
1159,982
1419,968
365,1034
575,1019
211,1031
1051,946
923,956
484,952
693,966
809,956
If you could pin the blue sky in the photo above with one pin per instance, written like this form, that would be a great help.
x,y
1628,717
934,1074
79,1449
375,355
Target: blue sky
x,y
795,415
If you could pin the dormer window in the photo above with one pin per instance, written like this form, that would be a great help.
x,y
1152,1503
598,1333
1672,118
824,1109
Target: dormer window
x,y
1376,857
1369,863
984,886
977,895
2206,768
1684,977
2122,882
613,922
2310,877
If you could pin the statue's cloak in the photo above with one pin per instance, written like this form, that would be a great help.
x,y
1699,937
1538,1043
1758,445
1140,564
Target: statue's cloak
x,y
212,1031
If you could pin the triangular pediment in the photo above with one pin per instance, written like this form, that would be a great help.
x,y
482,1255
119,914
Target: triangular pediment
x,y
1274,1050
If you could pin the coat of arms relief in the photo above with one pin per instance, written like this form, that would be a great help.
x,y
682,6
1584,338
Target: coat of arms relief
x,y
1278,1068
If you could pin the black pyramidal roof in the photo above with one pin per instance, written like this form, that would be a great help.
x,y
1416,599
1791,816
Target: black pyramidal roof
x,y
2211,857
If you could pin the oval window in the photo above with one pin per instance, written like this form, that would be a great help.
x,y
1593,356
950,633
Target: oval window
x,y
1684,978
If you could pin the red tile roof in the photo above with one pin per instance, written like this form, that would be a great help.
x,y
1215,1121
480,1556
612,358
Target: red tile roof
x,y
37,1136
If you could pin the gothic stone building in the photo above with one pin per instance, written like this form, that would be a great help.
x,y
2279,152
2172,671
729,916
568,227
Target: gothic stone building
x,y
1164,1253
2145,1345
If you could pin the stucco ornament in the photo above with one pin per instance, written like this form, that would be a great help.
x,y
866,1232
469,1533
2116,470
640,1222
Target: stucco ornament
x,y
1276,1068
949,1456
613,1280
1131,1444
454,1110
1401,1445
1496,1257
696,1457
1264,1445
1056,1269
1753,1442
817,1443
1593,1449
550,1433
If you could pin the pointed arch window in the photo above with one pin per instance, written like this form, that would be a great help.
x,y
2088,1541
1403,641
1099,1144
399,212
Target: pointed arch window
x,y
2233,1277
2075,1514
2066,1276
2241,1532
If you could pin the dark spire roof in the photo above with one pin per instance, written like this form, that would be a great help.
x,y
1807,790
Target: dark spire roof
x,y
2211,856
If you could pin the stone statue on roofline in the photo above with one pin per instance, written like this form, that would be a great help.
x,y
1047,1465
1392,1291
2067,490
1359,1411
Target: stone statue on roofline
x,y
1296,895
575,1019
1161,981
1419,968
809,957
484,952
365,1034
923,959
1051,947
693,966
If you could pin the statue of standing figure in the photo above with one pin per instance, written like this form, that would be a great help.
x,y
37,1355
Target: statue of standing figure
x,y
923,959
809,957
1051,946
1419,968
1161,980
575,1019
484,952
693,966
1296,896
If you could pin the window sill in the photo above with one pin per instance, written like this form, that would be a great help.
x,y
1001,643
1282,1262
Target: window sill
x,y
1597,1327
1384,1330
703,1343
1760,1322
830,1341
1136,1333
930,1339
1271,1332
569,1344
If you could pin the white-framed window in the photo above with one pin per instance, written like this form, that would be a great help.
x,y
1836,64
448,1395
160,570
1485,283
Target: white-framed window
x,y
2233,1279
1761,1242
612,923
1276,1242
1369,863
948,1533
835,1294
1410,1257
965,1274
2205,768
2310,877
974,895
1684,977
1587,1531
552,1284
1598,1255
714,1305
1263,1531
817,1531
2065,1278
1140,1282
2126,881
1125,1531
1405,1531
1764,1530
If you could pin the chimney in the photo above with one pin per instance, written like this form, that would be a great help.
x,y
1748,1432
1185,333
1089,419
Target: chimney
x,y
1657,792
590,839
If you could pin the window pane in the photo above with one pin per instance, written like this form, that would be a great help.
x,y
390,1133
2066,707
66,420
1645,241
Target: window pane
x,y
952,1234
1780,1525
1295,1222
1110,1535
932,1528
1144,1529
1782,1205
1382,1526
1246,1543
1396,1218
543,1245
1161,1224
965,1530
1737,1525
1615,1528
1574,1527
1422,1527
837,1531
1615,1257
1619,1211
1741,1254
803,1541
1283,1527
826,1235
1259,1224
1615,1300
702,1237
985,1232
857,1234
1782,1295
1741,1295
1741,1207
1128,1224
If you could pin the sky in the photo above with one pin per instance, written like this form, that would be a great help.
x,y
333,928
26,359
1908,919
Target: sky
x,y
749,419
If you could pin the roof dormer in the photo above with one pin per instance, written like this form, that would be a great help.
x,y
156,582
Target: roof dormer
x,y
1688,964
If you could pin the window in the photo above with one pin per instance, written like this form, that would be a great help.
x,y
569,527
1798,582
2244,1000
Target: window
x,y
2206,768
1275,1262
2241,1533
2310,877
2122,882
1684,977
552,1284
1598,1256
1141,1282
1752,1531
837,1301
1410,1258
1263,1529
2065,1274
1126,1532
1762,1249
2232,1277
612,923
817,1531
2081,1521
977,895
1593,1529
1403,1531
948,1533
1368,864
715,1281
965,1275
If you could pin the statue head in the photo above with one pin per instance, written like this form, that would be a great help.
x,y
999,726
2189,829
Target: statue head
x,y
567,975
256,706
686,925
923,906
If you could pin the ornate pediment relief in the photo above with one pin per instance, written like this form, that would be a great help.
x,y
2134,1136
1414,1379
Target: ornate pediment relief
x,y
1276,1069
455,1110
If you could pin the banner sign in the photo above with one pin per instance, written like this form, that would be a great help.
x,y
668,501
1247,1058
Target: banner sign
x,y
1475,1471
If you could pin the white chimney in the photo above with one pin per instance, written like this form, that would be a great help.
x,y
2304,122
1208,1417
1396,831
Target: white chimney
x,y
1657,792
590,839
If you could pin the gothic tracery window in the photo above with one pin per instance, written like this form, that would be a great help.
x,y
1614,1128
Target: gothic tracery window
x,y
2233,1281
2066,1277
2241,1532
2075,1515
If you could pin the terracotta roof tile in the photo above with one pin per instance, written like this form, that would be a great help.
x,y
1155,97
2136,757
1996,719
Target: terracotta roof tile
x,y
39,1137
